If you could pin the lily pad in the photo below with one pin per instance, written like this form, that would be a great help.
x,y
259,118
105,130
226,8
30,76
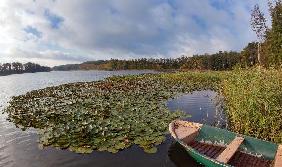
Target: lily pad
x,y
151,150
108,115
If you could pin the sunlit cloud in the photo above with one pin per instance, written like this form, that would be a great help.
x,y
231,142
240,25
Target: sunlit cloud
x,y
70,31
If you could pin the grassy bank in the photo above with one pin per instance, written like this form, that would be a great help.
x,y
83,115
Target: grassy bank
x,y
118,112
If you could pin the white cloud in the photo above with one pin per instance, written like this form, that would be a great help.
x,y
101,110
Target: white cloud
x,y
94,29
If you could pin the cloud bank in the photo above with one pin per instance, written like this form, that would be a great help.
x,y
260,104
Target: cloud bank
x,y
70,31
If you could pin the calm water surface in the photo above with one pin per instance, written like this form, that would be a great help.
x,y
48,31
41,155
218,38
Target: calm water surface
x,y
19,148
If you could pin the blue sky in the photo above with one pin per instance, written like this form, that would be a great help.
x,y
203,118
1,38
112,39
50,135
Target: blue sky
x,y
55,20
70,31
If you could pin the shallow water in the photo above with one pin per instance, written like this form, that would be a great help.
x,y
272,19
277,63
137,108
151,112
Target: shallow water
x,y
204,107
19,148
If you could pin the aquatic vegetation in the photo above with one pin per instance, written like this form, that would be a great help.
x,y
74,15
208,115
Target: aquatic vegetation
x,y
108,115
115,113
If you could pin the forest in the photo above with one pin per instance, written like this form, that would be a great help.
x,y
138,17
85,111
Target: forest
x,y
19,68
218,61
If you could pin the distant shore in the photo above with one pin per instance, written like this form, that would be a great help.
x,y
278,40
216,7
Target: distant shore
x,y
19,68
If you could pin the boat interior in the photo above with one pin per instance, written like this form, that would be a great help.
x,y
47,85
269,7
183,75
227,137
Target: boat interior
x,y
230,154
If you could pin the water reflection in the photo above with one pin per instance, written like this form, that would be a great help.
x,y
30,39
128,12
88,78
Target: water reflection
x,y
204,107
19,148
179,156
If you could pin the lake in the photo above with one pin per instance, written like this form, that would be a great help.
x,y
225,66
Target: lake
x,y
19,148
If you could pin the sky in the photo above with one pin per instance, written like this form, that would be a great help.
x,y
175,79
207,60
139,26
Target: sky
x,y
54,32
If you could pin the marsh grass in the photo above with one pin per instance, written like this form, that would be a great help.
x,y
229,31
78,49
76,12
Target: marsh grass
x,y
253,100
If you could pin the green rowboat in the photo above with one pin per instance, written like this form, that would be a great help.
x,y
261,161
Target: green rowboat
x,y
214,147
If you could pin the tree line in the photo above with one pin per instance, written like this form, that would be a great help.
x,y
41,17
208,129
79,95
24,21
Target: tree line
x,y
269,45
217,61
222,60
19,68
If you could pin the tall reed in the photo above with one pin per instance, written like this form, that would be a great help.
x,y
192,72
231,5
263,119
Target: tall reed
x,y
253,101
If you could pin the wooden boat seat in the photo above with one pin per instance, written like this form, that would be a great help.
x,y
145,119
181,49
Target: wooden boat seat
x,y
230,150
187,134
278,157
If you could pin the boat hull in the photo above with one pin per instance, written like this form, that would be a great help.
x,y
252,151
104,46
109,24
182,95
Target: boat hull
x,y
202,159
207,143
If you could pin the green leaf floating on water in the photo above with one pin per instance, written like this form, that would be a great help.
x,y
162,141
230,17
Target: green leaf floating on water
x,y
151,150
108,115
82,150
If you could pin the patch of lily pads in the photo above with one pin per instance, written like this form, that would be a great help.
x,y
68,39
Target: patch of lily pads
x,y
108,115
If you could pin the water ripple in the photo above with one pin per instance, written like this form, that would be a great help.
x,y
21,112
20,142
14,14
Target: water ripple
x,y
19,148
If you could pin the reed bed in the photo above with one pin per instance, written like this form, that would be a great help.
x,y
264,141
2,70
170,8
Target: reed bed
x,y
253,100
